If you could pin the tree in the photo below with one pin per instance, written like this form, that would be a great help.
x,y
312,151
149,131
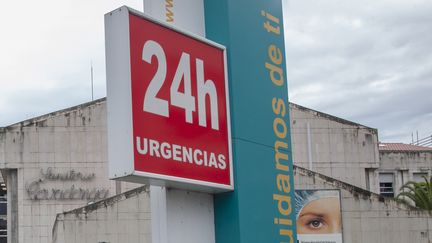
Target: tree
x,y
418,194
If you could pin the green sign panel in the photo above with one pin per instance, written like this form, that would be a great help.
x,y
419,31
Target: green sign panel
x,y
261,207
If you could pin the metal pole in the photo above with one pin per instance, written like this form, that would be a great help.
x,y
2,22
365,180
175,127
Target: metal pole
x,y
309,141
91,73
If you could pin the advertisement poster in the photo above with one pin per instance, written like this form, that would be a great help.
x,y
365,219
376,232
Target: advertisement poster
x,y
318,215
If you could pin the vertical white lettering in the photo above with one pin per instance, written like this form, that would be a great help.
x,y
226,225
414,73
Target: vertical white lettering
x,y
195,155
152,103
205,88
166,150
187,155
183,99
212,160
205,158
154,148
222,163
176,152
141,150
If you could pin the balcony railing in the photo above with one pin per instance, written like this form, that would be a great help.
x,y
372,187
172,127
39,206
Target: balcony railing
x,y
427,142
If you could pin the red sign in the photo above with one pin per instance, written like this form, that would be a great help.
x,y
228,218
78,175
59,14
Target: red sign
x,y
179,98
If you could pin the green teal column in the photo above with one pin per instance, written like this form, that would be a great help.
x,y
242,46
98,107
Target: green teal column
x,y
260,209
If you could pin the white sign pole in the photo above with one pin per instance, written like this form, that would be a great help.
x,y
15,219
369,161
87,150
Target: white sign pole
x,y
187,216
185,14
158,214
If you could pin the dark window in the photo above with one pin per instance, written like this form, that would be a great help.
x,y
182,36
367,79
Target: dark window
x,y
386,184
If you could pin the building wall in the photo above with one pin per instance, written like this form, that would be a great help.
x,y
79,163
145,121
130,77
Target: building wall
x,y
2,145
338,148
123,218
75,140
61,163
3,202
369,217
403,165
366,217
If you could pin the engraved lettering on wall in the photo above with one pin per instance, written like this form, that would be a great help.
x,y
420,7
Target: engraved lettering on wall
x,y
69,185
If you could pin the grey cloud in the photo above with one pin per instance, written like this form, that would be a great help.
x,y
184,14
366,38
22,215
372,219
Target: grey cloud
x,y
367,61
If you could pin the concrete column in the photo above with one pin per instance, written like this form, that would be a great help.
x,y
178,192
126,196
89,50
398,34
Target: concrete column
x,y
12,205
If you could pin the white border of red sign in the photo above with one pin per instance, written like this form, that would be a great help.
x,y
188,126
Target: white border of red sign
x,y
119,107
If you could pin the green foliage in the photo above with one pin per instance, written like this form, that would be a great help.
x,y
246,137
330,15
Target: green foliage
x,y
418,194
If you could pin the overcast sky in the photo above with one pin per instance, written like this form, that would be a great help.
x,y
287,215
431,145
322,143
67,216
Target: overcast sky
x,y
46,51
366,61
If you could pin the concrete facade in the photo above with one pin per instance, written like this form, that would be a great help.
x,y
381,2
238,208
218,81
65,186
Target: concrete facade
x,y
122,218
127,218
369,217
404,166
366,216
58,162
54,163
334,147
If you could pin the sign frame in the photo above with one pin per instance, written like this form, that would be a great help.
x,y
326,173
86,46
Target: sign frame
x,y
119,107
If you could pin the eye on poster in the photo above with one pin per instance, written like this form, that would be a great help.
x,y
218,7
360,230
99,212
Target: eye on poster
x,y
318,215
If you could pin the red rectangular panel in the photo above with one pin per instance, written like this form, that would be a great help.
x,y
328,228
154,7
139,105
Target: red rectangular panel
x,y
179,105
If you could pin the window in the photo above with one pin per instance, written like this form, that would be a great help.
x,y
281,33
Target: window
x,y
368,138
418,177
386,183
369,172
